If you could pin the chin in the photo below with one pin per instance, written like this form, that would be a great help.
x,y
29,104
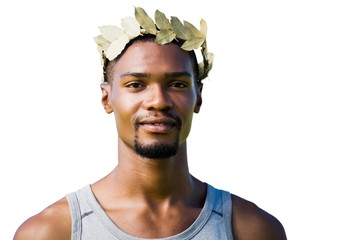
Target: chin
x,y
156,150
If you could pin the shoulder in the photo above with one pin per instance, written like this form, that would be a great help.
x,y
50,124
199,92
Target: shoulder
x,y
54,222
251,222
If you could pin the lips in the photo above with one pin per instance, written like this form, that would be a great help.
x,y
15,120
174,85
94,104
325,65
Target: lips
x,y
158,124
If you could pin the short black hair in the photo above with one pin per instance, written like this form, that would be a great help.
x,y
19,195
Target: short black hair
x,y
108,71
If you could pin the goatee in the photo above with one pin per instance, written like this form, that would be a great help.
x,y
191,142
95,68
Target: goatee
x,y
156,150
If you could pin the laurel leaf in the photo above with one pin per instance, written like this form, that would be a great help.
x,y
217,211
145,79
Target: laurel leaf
x,y
162,22
165,36
210,59
179,29
203,27
205,66
117,46
110,32
209,63
193,31
102,43
204,50
131,27
145,21
192,44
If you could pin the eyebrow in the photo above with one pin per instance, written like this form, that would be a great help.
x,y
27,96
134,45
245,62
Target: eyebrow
x,y
178,74
135,74
147,75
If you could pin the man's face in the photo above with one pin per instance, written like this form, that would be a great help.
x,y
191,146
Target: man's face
x,y
153,96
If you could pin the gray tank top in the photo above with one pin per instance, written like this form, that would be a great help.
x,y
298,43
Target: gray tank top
x,y
90,222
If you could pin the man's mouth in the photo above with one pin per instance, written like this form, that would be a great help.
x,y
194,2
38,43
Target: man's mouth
x,y
158,124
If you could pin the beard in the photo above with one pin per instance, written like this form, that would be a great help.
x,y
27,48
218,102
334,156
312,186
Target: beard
x,y
156,150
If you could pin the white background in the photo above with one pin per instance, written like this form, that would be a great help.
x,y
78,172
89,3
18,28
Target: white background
x,y
279,124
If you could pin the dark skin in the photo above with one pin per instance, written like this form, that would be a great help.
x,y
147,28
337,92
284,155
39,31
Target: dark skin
x,y
151,81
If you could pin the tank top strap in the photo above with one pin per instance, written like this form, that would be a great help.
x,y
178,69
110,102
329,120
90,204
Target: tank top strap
x,y
223,207
75,216
227,208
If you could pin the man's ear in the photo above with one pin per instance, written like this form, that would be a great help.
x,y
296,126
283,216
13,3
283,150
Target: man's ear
x,y
199,87
105,90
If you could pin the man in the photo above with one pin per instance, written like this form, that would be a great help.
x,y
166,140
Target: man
x,y
152,85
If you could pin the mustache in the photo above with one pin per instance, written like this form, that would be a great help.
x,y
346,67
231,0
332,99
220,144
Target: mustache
x,y
176,119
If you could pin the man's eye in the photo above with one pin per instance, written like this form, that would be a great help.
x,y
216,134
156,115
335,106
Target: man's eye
x,y
134,85
179,85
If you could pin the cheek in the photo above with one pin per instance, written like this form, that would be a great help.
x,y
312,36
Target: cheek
x,y
187,110
124,112
186,127
188,103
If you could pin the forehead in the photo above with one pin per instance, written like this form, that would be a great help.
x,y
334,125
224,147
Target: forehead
x,y
150,57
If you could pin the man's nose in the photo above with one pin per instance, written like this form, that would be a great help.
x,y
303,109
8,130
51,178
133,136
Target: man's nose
x,y
157,98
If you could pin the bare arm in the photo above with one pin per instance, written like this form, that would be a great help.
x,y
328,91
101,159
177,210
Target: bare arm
x,y
252,223
54,223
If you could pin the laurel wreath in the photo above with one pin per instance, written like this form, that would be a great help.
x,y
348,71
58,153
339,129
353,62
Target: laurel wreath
x,y
113,39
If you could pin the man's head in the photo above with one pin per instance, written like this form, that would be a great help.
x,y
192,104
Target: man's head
x,y
152,81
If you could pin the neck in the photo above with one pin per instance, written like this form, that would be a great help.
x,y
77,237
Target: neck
x,y
155,178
